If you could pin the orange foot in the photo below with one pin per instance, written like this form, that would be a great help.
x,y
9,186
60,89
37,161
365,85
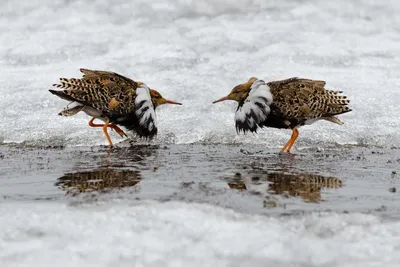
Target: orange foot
x,y
291,141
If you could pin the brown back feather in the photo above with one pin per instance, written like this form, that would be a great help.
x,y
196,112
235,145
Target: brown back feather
x,y
100,88
305,98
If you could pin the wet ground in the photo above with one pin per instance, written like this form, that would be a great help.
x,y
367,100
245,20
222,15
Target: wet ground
x,y
247,179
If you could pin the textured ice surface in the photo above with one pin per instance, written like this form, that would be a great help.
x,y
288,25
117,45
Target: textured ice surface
x,y
195,52
178,234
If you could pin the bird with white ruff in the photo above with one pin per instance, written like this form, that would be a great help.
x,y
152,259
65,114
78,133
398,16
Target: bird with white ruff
x,y
114,99
285,104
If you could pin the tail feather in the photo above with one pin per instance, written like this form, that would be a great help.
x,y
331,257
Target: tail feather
x,y
62,94
74,84
334,119
333,104
71,111
333,97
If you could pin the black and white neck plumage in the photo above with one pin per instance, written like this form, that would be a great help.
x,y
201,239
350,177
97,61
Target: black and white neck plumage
x,y
142,120
255,108
145,111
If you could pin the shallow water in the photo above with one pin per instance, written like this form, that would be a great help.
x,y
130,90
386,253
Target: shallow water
x,y
200,195
199,205
341,180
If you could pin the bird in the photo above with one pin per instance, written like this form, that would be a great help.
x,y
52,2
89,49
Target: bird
x,y
285,104
113,98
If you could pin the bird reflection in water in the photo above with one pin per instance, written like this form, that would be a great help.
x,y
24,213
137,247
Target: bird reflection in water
x,y
306,186
97,180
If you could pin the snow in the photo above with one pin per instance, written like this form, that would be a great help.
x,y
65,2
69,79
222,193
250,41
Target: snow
x,y
195,52
181,234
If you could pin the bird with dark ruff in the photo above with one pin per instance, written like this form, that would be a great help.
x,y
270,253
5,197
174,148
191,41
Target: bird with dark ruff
x,y
285,104
114,99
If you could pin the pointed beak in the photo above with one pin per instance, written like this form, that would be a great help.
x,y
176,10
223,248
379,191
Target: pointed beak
x,y
172,102
221,99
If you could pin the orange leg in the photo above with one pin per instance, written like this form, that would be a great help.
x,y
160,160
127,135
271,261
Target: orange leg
x,y
117,129
290,143
294,138
91,124
112,126
105,130
287,144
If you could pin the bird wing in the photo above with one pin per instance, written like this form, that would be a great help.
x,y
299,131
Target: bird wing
x,y
106,91
306,98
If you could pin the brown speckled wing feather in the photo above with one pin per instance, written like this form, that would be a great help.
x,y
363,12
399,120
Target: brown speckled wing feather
x,y
108,92
305,98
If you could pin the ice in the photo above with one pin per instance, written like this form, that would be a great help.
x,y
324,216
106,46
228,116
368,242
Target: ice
x,y
182,234
195,52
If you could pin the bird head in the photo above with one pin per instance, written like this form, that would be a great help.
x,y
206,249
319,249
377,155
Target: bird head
x,y
239,92
158,100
